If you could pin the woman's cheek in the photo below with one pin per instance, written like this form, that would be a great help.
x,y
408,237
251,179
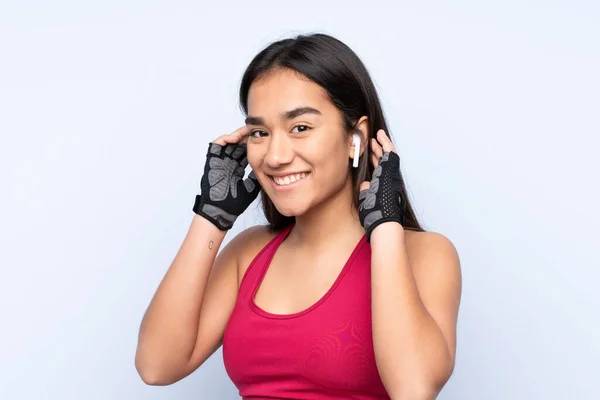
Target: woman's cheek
x,y
253,156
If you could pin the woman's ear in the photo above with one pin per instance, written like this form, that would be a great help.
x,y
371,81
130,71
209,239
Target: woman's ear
x,y
361,128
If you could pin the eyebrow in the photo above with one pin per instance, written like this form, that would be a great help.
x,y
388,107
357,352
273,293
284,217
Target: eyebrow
x,y
291,114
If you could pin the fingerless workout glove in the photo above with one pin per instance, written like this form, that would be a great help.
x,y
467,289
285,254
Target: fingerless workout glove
x,y
224,193
382,201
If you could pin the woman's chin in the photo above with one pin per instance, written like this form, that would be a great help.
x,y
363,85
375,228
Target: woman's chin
x,y
290,210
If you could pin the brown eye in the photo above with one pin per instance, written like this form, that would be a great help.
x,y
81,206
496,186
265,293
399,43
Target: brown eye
x,y
253,134
302,126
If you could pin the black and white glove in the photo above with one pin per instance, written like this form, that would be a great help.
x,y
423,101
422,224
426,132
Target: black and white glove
x,y
382,201
224,193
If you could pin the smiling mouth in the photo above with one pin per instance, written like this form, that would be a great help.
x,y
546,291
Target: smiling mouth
x,y
289,179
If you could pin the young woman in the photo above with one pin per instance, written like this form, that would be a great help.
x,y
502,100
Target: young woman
x,y
342,294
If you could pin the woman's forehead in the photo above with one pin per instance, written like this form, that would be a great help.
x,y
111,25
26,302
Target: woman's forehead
x,y
282,94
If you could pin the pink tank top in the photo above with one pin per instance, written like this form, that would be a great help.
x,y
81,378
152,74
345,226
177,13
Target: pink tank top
x,y
323,352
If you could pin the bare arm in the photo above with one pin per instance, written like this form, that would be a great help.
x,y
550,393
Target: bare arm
x,y
169,329
416,288
186,318
415,305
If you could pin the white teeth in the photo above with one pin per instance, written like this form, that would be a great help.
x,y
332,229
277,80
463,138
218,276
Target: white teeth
x,y
286,180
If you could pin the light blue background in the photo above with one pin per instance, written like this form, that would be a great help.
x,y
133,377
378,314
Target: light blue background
x,y
106,110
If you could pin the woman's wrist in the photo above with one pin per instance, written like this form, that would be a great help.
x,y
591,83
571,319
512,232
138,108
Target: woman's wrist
x,y
385,231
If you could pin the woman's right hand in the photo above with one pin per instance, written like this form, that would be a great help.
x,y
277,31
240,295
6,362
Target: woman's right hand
x,y
224,193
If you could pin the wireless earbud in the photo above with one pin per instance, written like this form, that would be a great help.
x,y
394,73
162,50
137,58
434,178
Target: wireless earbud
x,y
356,144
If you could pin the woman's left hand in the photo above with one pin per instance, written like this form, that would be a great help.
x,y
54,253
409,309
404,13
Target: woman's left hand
x,y
380,200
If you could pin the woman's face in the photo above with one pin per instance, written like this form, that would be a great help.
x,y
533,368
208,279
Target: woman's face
x,y
297,146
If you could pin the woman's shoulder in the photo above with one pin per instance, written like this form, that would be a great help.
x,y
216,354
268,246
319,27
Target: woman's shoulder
x,y
249,242
419,240
430,251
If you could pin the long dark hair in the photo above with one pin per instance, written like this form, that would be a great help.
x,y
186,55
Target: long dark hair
x,y
332,65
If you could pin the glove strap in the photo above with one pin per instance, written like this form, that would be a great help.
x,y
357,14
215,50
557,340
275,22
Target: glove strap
x,y
197,204
218,217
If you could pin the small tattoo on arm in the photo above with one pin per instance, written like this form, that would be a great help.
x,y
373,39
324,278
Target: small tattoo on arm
x,y
210,244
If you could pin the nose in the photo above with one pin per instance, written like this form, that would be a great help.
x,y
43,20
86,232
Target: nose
x,y
279,151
